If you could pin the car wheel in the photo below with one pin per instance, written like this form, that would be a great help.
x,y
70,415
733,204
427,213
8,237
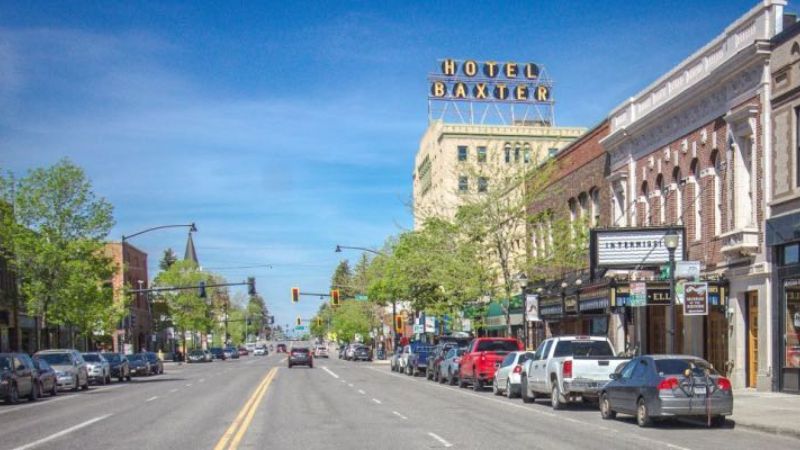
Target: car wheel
x,y
35,392
128,377
605,408
451,378
642,414
718,421
102,380
477,384
509,391
75,385
108,379
555,397
13,395
523,390
461,382
85,386
121,379
54,389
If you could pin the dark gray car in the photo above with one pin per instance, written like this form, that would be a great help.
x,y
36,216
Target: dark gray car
x,y
667,386
301,356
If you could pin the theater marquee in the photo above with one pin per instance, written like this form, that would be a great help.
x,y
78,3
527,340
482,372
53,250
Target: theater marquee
x,y
489,81
632,248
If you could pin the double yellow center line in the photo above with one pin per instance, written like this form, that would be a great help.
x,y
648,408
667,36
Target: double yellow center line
x,y
234,434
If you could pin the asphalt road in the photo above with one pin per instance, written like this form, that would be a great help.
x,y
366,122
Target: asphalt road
x,y
257,402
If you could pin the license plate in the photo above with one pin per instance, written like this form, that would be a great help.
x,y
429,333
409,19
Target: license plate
x,y
700,390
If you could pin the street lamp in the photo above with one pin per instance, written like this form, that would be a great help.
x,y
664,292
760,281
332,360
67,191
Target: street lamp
x,y
671,241
522,279
394,301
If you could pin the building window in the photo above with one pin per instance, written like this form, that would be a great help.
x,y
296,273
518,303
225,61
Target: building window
x,y
483,184
573,209
697,200
742,181
552,151
717,197
790,254
526,154
516,154
482,154
594,210
660,199
791,331
677,197
645,200
508,154
463,183
462,152
797,147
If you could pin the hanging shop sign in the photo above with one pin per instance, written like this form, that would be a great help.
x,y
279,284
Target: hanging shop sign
x,y
695,299
489,81
570,304
430,324
687,269
532,308
551,306
637,295
595,299
632,247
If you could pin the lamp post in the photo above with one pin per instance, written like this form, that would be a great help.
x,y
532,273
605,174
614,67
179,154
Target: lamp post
x,y
192,228
394,301
522,279
671,240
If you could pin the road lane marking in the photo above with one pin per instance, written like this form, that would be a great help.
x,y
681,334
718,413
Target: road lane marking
x,y
377,401
63,432
361,392
202,380
189,385
237,426
343,381
58,399
330,372
350,384
151,398
249,418
399,415
440,439
172,391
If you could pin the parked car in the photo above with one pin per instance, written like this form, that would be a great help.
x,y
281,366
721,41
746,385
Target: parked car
x,y
448,368
139,365
98,368
197,356
394,361
219,353
402,360
260,351
419,352
321,351
362,353
243,351
231,352
667,386
507,378
120,369
301,356
480,361
208,355
46,377
567,368
71,371
17,378
350,351
435,359
156,365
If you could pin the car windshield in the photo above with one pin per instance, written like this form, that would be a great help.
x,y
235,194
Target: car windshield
x,y
299,350
56,358
89,357
196,353
112,357
497,346
583,348
136,358
5,363
678,366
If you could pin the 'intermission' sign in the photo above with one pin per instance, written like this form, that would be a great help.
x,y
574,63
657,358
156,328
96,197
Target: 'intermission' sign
x,y
631,248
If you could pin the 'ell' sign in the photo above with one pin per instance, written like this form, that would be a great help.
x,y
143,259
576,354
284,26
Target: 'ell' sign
x,y
695,301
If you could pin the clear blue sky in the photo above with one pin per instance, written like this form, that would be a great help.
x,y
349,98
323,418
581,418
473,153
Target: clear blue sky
x,y
283,128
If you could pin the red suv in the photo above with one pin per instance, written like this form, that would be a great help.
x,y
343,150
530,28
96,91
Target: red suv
x,y
480,361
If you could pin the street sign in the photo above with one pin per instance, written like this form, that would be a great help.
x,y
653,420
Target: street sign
x,y
638,295
301,328
687,269
430,324
696,299
418,329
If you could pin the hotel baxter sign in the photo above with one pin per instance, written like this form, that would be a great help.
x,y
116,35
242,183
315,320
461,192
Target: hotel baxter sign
x,y
489,81
632,248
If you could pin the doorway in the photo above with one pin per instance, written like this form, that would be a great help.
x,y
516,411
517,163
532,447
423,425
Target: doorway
x,y
752,338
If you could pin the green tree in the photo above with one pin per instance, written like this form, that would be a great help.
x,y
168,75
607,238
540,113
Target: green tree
x,y
53,234
168,259
351,318
342,279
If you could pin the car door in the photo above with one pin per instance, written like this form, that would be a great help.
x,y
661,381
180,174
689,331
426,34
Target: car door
x,y
23,374
620,393
638,382
538,373
466,361
505,366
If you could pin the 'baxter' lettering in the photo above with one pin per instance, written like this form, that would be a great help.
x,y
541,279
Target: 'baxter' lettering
x,y
479,91
500,91
460,90
542,93
521,92
438,89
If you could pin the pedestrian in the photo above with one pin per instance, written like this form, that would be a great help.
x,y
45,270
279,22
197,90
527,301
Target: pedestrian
x,y
160,355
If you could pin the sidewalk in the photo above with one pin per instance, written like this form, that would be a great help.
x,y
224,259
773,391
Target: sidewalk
x,y
771,412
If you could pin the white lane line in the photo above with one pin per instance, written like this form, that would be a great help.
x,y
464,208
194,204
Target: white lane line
x,y
361,392
151,398
202,380
350,384
343,381
63,432
399,415
189,385
440,439
377,401
173,391
330,372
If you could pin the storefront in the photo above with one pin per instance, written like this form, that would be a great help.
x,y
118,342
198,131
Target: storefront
x,y
495,321
783,236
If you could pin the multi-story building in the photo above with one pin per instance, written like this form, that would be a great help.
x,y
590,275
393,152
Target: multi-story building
x,y
691,151
783,210
456,161
136,327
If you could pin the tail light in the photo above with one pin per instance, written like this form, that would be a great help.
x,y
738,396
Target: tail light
x,y
483,356
566,369
668,384
517,368
724,384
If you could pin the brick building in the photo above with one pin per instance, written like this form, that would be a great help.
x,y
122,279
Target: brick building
x,y
136,328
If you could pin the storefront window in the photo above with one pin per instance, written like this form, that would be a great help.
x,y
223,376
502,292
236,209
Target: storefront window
x,y
791,254
792,326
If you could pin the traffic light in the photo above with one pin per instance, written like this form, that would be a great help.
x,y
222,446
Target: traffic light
x,y
201,289
299,321
398,323
335,297
251,286
295,294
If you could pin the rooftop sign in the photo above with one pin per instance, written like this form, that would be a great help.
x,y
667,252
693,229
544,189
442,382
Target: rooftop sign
x,y
489,81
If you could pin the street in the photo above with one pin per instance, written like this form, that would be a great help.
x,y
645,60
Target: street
x,y
336,404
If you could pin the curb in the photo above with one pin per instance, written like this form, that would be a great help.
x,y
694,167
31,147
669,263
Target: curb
x,y
780,431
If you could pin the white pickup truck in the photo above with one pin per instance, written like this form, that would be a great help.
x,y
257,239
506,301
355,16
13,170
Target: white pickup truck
x,y
568,367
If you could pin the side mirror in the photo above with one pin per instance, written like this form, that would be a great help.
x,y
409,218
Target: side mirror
x,y
614,376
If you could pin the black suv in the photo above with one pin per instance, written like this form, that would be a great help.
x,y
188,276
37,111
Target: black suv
x,y
18,378
301,356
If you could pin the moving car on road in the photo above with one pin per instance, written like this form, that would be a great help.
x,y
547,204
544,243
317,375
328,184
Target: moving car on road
x,y
667,386
119,366
260,351
567,368
321,351
139,364
243,351
98,368
507,378
483,356
197,356
71,372
231,352
17,378
301,356
46,377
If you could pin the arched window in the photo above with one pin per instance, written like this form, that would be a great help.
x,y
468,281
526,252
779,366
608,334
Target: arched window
x,y
644,212
516,153
526,153
716,189
660,200
677,197
507,153
573,209
697,199
583,204
594,207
